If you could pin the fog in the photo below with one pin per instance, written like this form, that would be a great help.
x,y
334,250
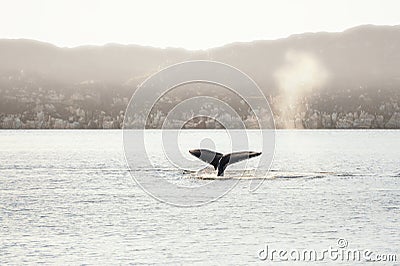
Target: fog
x,y
300,74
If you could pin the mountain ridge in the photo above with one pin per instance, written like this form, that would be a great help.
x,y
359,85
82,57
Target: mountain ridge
x,y
365,55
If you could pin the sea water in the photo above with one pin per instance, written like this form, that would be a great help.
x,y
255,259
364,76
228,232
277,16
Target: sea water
x,y
68,197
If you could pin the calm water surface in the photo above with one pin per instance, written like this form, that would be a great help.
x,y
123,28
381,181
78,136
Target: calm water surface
x,y
67,197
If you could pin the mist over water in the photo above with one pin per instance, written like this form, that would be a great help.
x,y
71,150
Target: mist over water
x,y
301,74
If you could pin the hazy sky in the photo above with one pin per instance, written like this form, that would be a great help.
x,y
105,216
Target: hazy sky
x,y
190,24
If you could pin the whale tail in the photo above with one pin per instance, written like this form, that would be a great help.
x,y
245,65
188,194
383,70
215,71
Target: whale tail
x,y
207,156
220,161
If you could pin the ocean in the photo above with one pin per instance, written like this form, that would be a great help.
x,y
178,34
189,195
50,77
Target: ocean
x,y
68,197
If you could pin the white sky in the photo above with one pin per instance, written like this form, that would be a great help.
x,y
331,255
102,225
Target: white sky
x,y
189,24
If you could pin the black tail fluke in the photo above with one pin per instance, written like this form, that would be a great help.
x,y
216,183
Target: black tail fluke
x,y
207,156
220,161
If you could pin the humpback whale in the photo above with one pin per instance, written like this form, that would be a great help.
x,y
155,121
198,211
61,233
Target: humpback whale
x,y
221,161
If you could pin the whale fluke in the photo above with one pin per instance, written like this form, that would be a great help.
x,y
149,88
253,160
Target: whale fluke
x,y
207,156
220,161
